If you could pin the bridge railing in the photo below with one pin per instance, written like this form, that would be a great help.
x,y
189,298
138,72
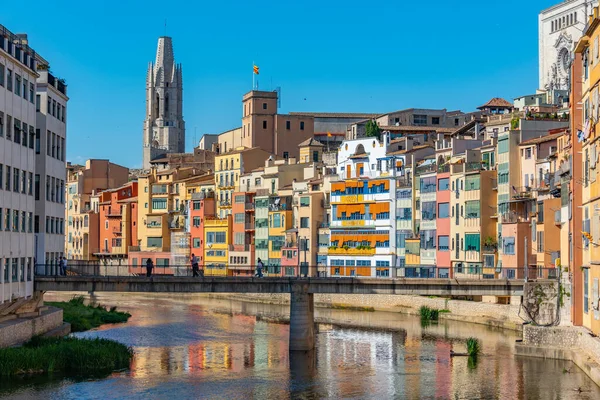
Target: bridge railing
x,y
345,271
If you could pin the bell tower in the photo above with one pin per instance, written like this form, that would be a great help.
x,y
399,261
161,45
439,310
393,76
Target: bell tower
x,y
164,128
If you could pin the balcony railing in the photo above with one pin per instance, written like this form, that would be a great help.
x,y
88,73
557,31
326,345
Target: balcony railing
x,y
557,217
249,207
424,169
249,226
352,251
225,203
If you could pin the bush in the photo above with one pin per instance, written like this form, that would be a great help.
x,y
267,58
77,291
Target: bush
x,y
429,314
67,355
83,318
473,348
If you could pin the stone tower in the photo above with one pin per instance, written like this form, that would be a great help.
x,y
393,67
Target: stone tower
x,y
164,128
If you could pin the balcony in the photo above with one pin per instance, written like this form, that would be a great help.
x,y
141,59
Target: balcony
x,y
117,230
352,251
404,182
324,225
522,193
249,207
557,218
249,226
490,248
224,204
443,168
113,213
290,245
215,222
262,192
512,218
425,169
149,249
160,189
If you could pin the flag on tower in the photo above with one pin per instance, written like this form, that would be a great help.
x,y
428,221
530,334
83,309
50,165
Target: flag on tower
x,y
329,134
256,69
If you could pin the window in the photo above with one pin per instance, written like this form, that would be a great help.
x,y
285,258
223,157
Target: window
x,y
196,222
159,204
1,71
472,209
37,186
264,124
8,178
264,106
31,93
508,245
472,182
9,80
17,84
428,184
420,119
304,222
472,242
38,100
586,278
16,180
443,184
215,237
276,221
315,157
288,125
428,212
404,214
239,218
196,243
154,242
528,153
304,201
301,125
286,155
443,243
1,124
435,120
443,210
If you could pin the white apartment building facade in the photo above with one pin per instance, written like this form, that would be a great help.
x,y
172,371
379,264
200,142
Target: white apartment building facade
x,y
18,74
50,168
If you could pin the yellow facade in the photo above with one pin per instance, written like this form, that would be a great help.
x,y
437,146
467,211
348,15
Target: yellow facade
x,y
217,239
279,222
588,46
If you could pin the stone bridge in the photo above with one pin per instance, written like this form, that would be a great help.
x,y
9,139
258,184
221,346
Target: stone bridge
x,y
301,291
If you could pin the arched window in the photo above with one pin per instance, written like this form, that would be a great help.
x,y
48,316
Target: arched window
x,y
167,103
157,106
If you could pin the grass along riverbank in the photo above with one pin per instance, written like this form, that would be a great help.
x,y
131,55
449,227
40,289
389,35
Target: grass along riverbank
x,y
65,355
85,317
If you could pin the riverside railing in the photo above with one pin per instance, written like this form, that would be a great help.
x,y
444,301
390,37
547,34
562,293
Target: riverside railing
x,y
465,272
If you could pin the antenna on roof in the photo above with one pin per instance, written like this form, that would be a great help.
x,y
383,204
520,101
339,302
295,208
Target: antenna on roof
x,y
278,90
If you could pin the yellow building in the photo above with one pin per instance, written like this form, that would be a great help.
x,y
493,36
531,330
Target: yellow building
x,y
228,169
587,48
218,239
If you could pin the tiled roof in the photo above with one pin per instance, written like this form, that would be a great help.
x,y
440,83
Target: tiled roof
x,y
423,146
496,102
335,115
541,139
311,142
412,128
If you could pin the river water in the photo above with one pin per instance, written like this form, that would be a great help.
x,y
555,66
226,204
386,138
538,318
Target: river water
x,y
195,347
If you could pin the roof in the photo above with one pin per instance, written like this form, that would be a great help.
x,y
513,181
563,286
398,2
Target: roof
x,y
128,200
335,115
311,142
496,102
415,148
238,151
361,155
205,177
541,139
413,128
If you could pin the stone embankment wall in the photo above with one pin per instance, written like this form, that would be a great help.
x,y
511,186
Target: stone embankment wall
x,y
563,343
20,330
498,315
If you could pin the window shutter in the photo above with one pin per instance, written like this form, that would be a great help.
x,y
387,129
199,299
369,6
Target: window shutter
x,y
596,227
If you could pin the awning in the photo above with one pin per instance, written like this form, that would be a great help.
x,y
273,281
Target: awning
x,y
457,160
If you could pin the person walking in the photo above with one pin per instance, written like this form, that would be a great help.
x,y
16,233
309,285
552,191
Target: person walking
x,y
194,261
63,266
259,268
149,267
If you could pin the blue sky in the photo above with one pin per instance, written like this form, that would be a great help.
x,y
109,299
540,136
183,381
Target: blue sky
x,y
344,56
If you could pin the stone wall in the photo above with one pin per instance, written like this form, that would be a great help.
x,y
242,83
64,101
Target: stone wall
x,y
20,330
505,316
541,302
572,343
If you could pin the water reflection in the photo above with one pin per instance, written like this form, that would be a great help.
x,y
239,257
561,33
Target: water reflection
x,y
200,347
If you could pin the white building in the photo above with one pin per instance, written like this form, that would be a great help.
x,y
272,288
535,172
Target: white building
x,y
50,168
560,27
18,74
164,128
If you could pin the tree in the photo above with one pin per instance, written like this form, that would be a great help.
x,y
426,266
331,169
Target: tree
x,y
372,129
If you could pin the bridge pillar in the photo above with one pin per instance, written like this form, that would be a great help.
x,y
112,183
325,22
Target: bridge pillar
x,y
302,318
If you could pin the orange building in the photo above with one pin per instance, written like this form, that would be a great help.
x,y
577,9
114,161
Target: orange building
x,y
203,206
118,221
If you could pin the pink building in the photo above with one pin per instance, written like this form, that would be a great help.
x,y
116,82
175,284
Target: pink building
x,y
443,224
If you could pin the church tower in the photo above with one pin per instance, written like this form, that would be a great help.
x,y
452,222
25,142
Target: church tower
x,y
164,128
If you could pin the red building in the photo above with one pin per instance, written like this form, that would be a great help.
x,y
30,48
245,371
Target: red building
x,y
118,221
202,206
